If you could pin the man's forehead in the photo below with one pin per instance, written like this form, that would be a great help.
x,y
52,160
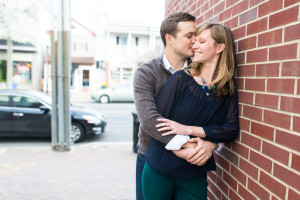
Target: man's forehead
x,y
186,27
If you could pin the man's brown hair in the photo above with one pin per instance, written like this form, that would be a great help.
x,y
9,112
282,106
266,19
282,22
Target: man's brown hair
x,y
169,25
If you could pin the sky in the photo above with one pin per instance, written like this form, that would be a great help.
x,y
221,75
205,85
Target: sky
x,y
95,14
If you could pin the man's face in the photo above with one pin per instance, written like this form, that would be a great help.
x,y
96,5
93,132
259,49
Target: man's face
x,y
184,39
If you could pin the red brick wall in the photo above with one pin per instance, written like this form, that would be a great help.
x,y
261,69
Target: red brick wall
x,y
264,162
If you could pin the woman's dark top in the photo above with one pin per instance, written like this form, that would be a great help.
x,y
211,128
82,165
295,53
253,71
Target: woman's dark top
x,y
183,100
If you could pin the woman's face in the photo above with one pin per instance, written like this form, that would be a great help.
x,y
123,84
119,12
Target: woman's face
x,y
205,50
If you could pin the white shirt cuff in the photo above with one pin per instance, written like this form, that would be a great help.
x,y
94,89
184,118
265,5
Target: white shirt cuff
x,y
177,142
220,147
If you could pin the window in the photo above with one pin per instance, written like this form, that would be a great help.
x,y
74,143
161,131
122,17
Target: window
x,y
136,41
2,71
121,40
4,100
25,102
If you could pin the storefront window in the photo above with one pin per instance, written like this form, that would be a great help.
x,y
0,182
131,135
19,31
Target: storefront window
x,y
2,71
22,72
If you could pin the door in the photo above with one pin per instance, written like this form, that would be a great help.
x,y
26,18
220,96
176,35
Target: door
x,y
28,119
5,116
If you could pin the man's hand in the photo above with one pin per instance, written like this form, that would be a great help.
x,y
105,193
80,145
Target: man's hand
x,y
201,153
172,127
183,153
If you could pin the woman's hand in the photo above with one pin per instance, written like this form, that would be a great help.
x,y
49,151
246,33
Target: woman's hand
x,y
172,127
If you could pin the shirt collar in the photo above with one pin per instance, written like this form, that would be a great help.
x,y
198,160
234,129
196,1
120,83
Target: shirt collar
x,y
169,67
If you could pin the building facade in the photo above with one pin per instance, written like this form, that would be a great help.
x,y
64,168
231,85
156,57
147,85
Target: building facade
x,y
264,161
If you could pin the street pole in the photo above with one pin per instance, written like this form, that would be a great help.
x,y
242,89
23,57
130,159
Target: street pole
x,y
61,62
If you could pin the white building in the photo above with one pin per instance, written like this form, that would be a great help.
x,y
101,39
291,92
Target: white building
x,y
127,47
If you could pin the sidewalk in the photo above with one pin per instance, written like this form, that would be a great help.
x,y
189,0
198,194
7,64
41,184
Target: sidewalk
x,y
96,171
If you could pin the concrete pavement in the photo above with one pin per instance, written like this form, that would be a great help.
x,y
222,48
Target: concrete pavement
x,y
94,171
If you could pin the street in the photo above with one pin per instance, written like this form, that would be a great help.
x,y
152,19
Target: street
x,y
118,129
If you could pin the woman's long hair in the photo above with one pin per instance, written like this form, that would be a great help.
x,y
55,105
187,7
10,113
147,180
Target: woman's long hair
x,y
227,61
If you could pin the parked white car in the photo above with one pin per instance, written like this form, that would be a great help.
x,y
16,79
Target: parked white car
x,y
119,93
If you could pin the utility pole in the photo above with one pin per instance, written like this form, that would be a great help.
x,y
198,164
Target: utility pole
x,y
60,74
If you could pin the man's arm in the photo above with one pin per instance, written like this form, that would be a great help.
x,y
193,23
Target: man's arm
x,y
144,96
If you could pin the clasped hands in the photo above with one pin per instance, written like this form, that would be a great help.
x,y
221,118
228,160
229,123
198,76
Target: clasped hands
x,y
196,151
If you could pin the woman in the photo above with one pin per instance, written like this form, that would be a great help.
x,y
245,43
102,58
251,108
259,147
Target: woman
x,y
205,95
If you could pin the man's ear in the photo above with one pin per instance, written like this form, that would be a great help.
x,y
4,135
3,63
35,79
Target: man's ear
x,y
220,48
168,38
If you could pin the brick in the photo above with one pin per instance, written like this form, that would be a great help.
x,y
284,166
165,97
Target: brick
x,y
251,141
248,168
296,162
208,14
273,185
212,176
204,7
229,3
230,181
292,32
248,43
265,100
243,192
275,152
245,97
240,149
222,162
267,69
268,7
255,84
209,193
240,83
240,58
199,20
271,37
240,7
252,112
291,68
293,195
283,52
281,85
254,2
214,19
257,26
246,70
257,55
215,191
219,8
298,86
230,156
233,195
261,161
290,104
240,110
244,124
223,197
225,15
277,119
296,123
238,174
263,131
289,177
284,17
248,16
288,3
239,32
257,189
222,185
232,23
287,139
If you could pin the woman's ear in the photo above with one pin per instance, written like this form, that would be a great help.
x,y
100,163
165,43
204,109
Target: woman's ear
x,y
220,48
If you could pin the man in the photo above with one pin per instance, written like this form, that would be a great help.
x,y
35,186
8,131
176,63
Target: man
x,y
177,33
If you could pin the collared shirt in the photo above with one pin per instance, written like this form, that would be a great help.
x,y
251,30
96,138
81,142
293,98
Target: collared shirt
x,y
169,67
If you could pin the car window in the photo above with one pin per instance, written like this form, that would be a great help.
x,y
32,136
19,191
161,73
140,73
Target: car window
x,y
4,100
25,102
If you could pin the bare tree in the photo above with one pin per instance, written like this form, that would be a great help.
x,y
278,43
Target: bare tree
x,y
21,21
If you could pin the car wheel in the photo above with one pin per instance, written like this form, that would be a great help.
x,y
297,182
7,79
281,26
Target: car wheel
x,y
77,133
104,99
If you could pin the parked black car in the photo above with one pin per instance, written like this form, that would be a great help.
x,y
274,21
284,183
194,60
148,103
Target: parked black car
x,y
28,113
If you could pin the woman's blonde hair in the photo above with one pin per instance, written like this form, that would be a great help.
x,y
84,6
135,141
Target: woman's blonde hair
x,y
227,61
